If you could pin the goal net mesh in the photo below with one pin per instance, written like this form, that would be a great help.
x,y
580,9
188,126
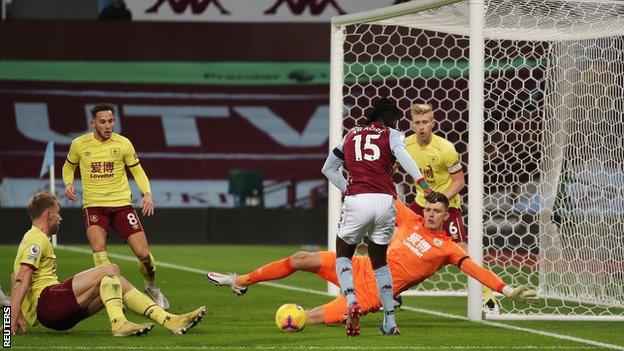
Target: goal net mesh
x,y
553,135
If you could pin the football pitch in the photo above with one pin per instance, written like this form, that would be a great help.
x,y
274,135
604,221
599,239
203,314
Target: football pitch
x,y
247,322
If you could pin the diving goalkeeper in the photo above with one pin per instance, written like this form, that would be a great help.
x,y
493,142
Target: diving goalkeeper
x,y
419,248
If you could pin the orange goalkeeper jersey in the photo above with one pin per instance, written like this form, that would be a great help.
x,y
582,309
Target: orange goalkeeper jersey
x,y
415,254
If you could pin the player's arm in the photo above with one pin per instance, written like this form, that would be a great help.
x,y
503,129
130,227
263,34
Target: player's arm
x,y
397,145
331,169
68,179
132,162
147,203
456,173
457,184
21,284
69,168
492,281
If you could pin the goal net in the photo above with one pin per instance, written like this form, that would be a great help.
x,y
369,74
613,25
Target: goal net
x,y
553,134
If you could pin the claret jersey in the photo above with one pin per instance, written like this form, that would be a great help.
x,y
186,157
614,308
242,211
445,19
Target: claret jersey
x,y
369,159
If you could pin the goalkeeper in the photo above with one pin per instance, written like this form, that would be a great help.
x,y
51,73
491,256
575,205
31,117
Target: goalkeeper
x,y
419,248
439,162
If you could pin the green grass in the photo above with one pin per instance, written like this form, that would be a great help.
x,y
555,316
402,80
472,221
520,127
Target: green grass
x,y
247,322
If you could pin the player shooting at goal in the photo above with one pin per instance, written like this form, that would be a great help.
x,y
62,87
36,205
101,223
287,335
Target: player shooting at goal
x,y
419,248
368,153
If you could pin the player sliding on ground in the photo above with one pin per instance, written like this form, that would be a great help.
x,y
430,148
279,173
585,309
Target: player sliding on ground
x,y
419,248
38,297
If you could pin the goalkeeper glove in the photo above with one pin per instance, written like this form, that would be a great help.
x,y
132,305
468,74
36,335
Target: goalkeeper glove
x,y
521,294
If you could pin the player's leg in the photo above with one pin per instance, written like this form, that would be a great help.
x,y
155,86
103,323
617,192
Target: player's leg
x,y
354,222
63,305
383,278
330,313
344,268
316,315
115,292
147,264
377,247
300,261
86,286
344,273
147,267
102,287
57,307
97,224
336,311
356,217
139,303
126,223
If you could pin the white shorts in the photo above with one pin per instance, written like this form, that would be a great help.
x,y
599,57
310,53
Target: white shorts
x,y
371,215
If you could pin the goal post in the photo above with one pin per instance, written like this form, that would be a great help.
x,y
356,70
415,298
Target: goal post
x,y
545,140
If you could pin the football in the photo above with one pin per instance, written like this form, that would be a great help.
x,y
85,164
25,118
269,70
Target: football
x,y
290,317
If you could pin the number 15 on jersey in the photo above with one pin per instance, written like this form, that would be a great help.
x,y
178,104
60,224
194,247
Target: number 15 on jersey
x,y
368,145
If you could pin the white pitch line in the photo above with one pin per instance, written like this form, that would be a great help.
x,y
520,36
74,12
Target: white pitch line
x,y
516,328
189,269
420,310
298,347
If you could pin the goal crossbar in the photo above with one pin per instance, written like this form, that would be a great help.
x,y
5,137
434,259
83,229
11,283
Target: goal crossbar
x,y
566,33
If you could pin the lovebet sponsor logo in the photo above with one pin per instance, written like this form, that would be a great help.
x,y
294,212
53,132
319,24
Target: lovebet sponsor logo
x,y
6,327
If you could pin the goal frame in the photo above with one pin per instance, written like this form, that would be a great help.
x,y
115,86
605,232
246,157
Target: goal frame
x,y
475,173
475,206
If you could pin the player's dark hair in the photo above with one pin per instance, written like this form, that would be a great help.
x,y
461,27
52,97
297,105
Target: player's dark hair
x,y
438,197
39,203
385,110
102,107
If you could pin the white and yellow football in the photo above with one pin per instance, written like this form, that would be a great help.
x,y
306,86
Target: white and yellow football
x,y
291,317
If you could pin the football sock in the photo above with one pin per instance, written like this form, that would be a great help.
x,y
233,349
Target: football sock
x,y
487,294
110,293
384,287
100,258
344,272
274,270
137,302
148,269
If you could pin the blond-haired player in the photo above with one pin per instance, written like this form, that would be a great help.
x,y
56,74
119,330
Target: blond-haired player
x,y
440,164
419,248
39,297
103,157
